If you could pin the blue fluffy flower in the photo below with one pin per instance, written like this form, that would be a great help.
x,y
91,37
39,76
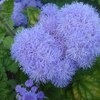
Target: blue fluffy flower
x,y
62,40
18,17
80,24
35,50
48,17
29,83
28,93
42,57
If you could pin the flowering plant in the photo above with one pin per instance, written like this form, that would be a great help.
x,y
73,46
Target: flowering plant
x,y
51,46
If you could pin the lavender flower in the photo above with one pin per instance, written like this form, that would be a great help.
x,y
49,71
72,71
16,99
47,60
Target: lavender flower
x,y
36,51
20,90
44,53
29,93
40,95
61,41
80,24
41,56
18,87
48,17
34,89
18,17
29,83
29,96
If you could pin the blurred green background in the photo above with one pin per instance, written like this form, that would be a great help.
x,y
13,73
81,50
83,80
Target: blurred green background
x,y
85,84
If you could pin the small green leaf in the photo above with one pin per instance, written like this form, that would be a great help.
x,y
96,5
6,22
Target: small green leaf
x,y
58,2
99,2
1,37
8,41
32,14
12,83
12,68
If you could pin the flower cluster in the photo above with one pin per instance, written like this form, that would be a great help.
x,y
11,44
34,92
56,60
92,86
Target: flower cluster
x,y
62,41
29,92
18,17
80,24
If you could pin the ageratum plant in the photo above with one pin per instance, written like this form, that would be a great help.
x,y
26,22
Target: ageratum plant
x,y
54,53
57,51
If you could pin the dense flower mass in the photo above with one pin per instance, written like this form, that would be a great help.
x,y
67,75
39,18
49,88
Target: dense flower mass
x,y
80,25
18,17
63,40
37,50
29,93
41,57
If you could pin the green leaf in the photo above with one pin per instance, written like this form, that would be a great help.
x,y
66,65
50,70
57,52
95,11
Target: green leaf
x,y
8,41
12,83
3,84
52,92
32,14
58,2
7,7
12,68
99,2
2,37
86,85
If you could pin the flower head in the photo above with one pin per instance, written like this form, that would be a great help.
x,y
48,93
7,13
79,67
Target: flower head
x,y
18,17
80,24
36,51
42,57
29,96
29,83
29,93
48,17
20,90
62,40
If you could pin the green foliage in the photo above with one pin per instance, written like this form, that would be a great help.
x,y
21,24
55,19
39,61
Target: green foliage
x,y
86,85
58,2
99,2
7,42
8,68
32,14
